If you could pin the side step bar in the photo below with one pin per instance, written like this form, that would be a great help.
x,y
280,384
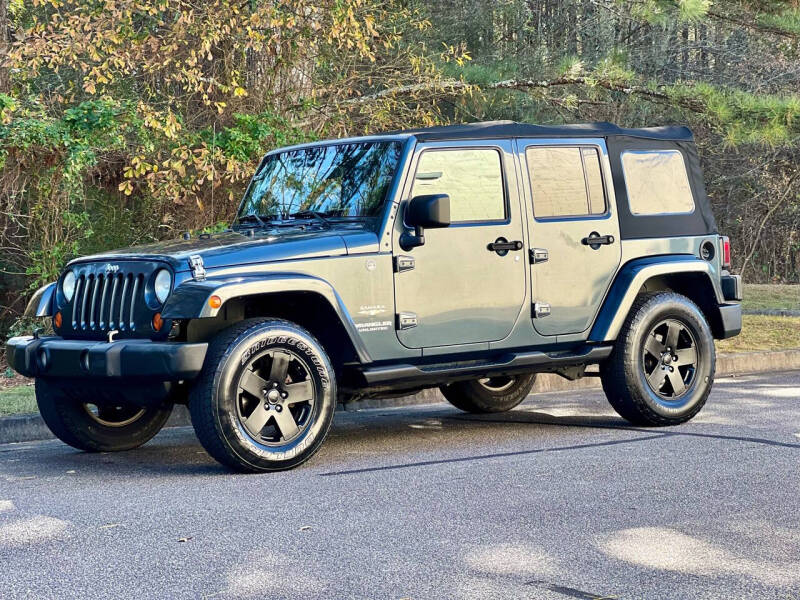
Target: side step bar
x,y
507,364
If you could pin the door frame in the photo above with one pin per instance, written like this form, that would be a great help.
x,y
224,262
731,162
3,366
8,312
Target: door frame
x,y
520,146
515,212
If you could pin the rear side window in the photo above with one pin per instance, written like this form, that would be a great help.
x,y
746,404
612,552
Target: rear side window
x,y
657,182
473,178
566,181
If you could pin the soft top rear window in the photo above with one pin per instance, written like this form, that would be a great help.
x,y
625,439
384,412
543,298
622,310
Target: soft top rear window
x,y
657,182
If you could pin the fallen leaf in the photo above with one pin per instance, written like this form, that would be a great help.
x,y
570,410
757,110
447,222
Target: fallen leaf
x,y
184,539
305,528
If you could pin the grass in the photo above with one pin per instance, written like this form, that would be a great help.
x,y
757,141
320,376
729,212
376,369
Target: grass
x,y
17,400
764,333
764,296
758,333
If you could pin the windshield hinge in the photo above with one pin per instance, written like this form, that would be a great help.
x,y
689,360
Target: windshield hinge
x,y
196,264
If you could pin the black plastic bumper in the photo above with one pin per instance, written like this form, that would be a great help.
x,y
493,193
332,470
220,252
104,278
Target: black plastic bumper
x,y
731,287
731,317
57,357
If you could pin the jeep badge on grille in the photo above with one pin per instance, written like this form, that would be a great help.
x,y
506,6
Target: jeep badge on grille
x,y
112,268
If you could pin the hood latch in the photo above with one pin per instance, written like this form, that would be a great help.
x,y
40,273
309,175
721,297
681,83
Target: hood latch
x,y
198,269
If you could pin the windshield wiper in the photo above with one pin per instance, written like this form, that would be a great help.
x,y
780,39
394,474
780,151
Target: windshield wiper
x,y
313,214
252,217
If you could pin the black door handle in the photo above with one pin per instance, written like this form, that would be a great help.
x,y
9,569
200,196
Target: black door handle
x,y
595,240
502,246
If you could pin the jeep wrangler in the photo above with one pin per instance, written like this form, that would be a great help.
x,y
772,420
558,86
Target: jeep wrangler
x,y
467,257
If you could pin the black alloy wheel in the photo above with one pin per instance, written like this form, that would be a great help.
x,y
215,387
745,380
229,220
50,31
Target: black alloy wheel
x,y
276,397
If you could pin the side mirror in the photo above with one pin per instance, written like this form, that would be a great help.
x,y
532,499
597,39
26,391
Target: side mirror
x,y
429,211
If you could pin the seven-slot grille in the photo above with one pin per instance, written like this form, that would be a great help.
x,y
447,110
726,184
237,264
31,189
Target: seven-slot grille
x,y
110,298
106,301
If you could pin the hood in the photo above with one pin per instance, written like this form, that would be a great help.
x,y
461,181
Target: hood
x,y
232,248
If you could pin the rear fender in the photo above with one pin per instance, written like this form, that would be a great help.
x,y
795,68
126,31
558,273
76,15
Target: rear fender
x,y
629,281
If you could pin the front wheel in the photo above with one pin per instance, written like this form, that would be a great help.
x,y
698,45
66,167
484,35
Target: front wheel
x,y
490,394
265,398
662,367
104,427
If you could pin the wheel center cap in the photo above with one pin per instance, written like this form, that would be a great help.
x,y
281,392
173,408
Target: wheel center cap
x,y
273,396
666,358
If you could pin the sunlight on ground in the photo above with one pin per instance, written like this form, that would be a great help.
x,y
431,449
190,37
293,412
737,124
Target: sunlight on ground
x,y
511,559
30,531
670,550
259,574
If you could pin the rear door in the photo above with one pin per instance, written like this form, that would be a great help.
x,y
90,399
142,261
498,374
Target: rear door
x,y
459,291
571,204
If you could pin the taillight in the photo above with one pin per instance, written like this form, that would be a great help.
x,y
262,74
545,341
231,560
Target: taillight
x,y
726,252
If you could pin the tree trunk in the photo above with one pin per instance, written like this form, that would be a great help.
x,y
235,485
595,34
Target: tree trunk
x,y
4,80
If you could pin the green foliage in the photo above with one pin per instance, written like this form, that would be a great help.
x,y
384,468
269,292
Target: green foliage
x,y
744,117
664,12
787,21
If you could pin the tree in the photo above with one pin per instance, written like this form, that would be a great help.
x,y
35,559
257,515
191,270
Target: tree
x,y
4,82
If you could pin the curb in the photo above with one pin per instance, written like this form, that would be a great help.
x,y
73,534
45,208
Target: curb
x,y
773,312
27,428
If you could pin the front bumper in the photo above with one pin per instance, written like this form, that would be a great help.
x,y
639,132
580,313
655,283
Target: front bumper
x,y
135,359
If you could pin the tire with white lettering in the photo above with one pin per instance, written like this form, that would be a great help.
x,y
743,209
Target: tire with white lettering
x,y
265,398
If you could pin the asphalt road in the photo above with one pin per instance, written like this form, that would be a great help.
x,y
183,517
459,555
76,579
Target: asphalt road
x,y
557,499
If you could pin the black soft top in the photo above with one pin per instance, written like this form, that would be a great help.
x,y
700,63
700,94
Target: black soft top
x,y
618,140
512,129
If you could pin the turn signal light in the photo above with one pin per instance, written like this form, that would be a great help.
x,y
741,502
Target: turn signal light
x,y
158,322
215,302
57,320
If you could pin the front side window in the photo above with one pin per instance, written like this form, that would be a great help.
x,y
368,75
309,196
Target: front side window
x,y
340,180
566,181
657,182
473,178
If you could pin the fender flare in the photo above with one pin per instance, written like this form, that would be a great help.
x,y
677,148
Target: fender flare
x,y
41,303
630,279
190,300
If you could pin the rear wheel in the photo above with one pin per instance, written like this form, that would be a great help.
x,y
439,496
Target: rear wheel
x,y
489,394
662,367
265,398
97,427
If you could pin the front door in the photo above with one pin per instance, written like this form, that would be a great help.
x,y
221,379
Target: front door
x,y
459,291
575,227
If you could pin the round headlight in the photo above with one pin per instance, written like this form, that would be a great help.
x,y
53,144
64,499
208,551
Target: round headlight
x,y
162,285
68,285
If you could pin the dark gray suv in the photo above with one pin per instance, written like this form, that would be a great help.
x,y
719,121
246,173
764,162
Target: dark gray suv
x,y
468,257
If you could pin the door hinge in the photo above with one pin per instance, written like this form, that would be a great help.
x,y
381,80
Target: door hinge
x,y
406,320
197,267
403,263
538,255
541,309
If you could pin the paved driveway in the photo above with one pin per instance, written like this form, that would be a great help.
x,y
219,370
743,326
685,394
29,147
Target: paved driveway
x,y
557,499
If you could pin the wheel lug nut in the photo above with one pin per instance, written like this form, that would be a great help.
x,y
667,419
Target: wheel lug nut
x,y
274,384
671,369
284,395
278,408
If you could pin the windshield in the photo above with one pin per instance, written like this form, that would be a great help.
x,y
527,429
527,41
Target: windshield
x,y
326,181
